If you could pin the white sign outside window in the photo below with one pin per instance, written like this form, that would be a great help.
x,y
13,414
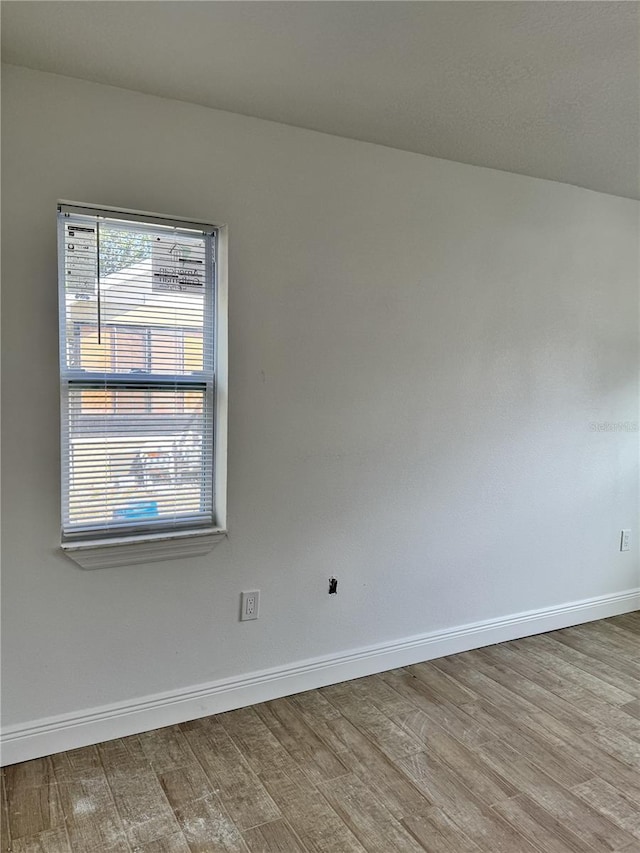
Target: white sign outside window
x,y
178,264
80,261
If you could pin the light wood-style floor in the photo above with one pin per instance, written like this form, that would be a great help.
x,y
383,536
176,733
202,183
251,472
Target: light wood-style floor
x,y
532,745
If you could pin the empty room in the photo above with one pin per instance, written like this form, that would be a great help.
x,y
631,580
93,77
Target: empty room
x,y
320,426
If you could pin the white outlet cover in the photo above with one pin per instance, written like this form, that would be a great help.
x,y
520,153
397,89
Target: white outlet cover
x,y
625,540
249,605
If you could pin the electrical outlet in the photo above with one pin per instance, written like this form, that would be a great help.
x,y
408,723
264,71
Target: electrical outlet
x,y
625,540
249,605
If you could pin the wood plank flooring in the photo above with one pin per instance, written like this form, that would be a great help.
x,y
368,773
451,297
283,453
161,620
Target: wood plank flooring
x,y
532,745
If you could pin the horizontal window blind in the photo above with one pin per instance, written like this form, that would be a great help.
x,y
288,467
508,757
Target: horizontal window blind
x,y
137,303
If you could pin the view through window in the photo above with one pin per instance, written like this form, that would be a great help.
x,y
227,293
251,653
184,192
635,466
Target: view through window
x,y
137,305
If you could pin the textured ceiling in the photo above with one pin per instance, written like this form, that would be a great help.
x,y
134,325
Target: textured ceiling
x,y
550,89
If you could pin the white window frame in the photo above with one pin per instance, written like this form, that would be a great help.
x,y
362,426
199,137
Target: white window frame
x,y
129,549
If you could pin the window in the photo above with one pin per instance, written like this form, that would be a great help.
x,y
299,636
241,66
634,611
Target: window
x,y
143,382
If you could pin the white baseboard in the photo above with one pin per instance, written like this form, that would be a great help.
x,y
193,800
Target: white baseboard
x,y
70,731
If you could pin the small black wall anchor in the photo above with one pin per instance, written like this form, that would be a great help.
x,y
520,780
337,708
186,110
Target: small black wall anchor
x,y
333,586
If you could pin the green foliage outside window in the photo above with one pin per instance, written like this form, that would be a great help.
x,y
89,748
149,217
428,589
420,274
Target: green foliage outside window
x,y
121,249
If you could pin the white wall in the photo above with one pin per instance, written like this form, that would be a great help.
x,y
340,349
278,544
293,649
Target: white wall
x,y
417,350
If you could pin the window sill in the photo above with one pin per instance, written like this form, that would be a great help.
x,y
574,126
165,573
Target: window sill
x,y
99,554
